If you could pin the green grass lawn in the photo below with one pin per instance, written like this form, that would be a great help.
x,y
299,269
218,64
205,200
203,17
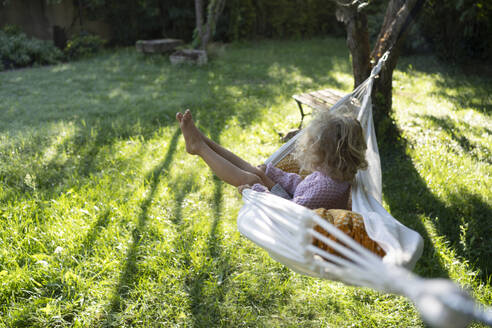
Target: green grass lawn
x,y
106,221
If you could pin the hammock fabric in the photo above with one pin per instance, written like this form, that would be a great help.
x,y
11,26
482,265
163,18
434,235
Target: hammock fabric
x,y
401,245
350,223
305,242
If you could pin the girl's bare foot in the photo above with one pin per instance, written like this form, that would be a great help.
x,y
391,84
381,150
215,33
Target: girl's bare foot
x,y
191,134
179,117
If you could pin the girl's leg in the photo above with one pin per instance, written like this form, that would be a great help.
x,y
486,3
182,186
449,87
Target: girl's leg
x,y
228,155
225,169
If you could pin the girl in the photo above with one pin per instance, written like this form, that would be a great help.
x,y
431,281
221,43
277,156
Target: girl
x,y
332,147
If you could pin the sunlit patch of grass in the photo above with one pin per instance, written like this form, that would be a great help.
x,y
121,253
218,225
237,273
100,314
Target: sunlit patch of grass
x,y
105,220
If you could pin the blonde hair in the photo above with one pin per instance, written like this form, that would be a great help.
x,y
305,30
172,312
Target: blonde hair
x,y
333,144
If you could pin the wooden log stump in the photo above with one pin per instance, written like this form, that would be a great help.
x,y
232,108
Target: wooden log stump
x,y
189,56
157,46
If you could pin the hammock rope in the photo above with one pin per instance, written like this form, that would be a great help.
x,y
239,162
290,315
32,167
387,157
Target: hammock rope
x,y
286,231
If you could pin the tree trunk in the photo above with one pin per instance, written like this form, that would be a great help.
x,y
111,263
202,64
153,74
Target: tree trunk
x,y
80,16
163,16
215,8
399,16
199,22
357,41
206,32
397,20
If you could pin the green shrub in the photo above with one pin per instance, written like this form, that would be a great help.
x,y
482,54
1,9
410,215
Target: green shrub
x,y
18,50
144,19
246,19
83,45
12,29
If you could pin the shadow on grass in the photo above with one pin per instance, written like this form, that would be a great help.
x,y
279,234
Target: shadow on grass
x,y
107,107
56,287
205,301
454,131
183,188
86,247
455,84
409,198
121,97
465,95
469,212
130,269
75,160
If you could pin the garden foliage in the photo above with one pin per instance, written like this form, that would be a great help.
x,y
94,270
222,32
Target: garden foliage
x,y
458,29
82,45
18,50
241,19
453,29
280,18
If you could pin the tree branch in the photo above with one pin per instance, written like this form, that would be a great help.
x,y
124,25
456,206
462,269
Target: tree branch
x,y
395,26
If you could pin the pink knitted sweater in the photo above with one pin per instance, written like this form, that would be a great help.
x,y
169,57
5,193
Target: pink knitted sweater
x,y
315,191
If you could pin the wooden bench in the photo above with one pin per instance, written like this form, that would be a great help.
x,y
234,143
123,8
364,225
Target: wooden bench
x,y
159,46
319,100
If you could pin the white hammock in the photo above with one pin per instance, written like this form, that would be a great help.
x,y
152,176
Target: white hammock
x,y
286,231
